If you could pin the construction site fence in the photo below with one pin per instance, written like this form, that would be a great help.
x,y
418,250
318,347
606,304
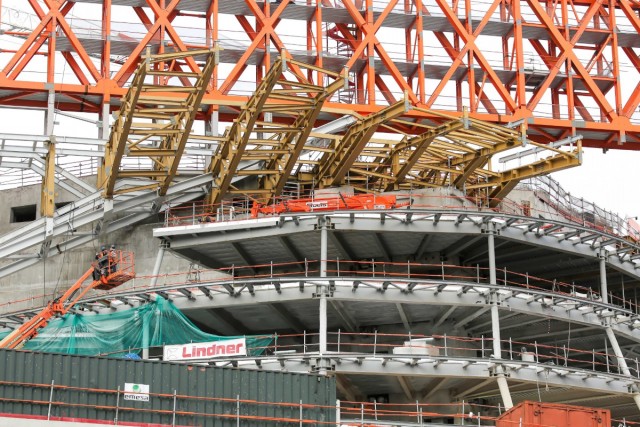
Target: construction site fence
x,y
555,204
375,412
170,408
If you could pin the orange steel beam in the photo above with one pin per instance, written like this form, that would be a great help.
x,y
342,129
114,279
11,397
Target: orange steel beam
x,y
393,51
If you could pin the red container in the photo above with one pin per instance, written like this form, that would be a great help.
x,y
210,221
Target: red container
x,y
538,414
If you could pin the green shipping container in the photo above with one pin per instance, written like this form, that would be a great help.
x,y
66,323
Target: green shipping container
x,y
81,387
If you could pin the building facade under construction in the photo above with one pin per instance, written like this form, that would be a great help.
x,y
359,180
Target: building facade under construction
x,y
326,218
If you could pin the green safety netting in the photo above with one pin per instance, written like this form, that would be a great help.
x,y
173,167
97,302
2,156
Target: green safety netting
x,y
120,333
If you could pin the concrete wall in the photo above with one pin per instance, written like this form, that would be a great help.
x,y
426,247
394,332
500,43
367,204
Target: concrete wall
x,y
58,273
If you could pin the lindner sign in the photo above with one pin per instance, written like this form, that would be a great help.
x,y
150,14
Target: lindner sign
x,y
206,350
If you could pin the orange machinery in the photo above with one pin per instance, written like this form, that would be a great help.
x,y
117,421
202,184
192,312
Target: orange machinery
x,y
540,414
340,201
60,306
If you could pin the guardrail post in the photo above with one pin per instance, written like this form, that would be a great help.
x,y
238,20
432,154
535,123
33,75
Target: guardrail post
x,y
193,214
115,421
173,413
445,345
338,420
50,400
375,341
238,410
338,340
362,414
300,413
442,266
510,349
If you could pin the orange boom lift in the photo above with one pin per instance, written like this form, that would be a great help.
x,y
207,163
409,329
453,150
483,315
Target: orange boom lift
x,y
60,306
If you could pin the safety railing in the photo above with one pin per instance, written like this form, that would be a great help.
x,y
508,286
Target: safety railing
x,y
555,205
341,344
374,270
578,210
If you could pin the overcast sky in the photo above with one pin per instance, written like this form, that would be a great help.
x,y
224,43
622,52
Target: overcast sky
x,y
610,180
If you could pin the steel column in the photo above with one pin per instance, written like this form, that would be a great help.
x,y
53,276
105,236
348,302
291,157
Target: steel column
x,y
622,363
158,264
321,290
603,277
495,322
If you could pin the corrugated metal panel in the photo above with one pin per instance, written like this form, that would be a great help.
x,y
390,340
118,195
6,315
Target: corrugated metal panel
x,y
85,387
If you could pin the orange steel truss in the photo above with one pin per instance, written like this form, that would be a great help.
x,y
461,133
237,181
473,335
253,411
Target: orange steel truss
x,y
562,67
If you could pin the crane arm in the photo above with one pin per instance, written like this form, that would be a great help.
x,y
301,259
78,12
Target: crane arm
x,y
59,306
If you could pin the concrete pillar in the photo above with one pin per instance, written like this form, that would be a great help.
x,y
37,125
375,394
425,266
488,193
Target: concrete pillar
x,y
622,363
603,277
503,386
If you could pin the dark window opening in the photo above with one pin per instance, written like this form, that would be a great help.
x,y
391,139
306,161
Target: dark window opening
x,y
23,213
61,205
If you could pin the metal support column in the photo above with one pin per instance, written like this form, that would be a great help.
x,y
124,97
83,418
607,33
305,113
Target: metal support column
x,y
50,113
211,128
158,264
495,322
603,276
321,291
145,337
622,363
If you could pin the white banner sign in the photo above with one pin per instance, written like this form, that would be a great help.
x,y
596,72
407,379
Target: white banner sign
x,y
206,350
133,391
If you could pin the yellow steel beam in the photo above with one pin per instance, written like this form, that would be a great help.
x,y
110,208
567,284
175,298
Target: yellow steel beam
x,y
170,119
229,154
335,166
292,144
501,191
47,197
115,147
421,143
184,121
541,167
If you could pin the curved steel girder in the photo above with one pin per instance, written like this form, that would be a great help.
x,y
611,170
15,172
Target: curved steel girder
x,y
511,227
